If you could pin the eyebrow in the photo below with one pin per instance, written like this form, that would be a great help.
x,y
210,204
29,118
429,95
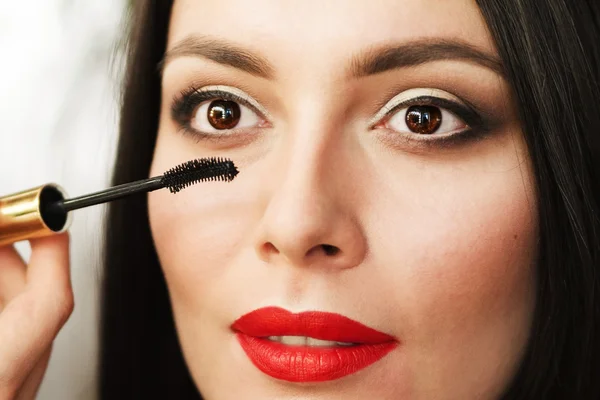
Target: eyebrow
x,y
389,57
371,62
222,52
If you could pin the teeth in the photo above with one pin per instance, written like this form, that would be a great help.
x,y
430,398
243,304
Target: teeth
x,y
294,340
324,343
306,341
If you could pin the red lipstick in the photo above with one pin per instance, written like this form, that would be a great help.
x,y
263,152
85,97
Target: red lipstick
x,y
259,333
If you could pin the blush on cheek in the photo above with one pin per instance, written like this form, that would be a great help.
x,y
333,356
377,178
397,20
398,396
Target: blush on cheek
x,y
461,275
482,262
474,291
483,279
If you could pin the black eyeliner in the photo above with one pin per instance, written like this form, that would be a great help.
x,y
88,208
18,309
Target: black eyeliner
x,y
466,113
478,126
183,109
185,104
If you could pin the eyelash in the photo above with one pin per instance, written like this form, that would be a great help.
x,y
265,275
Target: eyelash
x,y
185,104
187,101
477,125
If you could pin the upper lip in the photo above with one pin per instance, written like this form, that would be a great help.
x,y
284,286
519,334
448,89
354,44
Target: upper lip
x,y
275,321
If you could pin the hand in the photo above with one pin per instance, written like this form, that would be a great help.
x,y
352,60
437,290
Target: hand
x,y
35,302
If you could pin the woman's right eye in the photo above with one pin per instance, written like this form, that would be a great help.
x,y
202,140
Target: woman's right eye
x,y
220,114
213,111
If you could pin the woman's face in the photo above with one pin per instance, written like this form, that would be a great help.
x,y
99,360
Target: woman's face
x,y
383,178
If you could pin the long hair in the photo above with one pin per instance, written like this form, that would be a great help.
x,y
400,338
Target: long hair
x,y
552,64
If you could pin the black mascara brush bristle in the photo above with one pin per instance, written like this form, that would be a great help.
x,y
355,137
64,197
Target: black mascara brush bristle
x,y
199,170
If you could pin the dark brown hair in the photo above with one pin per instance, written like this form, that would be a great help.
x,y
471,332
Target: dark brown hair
x,y
552,60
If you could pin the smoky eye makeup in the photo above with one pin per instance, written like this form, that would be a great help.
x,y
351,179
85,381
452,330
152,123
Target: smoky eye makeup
x,y
431,116
416,117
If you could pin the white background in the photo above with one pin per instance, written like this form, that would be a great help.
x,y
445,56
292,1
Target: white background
x,y
59,74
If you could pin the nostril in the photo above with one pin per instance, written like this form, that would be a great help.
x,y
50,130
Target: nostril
x,y
269,248
330,250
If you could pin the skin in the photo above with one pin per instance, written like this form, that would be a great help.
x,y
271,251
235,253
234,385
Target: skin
x,y
437,243
36,300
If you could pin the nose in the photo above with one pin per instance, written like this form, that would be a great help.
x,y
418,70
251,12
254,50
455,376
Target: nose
x,y
310,219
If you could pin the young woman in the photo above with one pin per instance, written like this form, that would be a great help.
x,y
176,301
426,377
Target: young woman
x,y
416,214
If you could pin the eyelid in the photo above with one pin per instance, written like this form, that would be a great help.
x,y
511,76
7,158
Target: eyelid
x,y
237,93
407,96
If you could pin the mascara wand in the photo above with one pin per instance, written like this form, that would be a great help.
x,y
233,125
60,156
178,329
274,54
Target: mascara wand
x,y
43,210
176,179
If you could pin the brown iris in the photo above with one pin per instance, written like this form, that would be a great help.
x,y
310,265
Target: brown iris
x,y
224,114
424,120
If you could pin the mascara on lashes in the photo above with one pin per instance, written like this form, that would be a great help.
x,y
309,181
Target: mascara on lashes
x,y
186,103
465,113
479,125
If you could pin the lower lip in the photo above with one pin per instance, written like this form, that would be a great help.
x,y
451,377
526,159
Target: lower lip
x,y
310,364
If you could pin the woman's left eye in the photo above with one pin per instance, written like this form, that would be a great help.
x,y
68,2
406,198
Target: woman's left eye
x,y
424,120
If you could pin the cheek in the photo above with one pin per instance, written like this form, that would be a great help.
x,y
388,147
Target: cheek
x,y
475,262
463,275
196,236
197,231
475,265
461,232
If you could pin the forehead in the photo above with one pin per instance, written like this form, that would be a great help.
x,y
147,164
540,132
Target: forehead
x,y
300,30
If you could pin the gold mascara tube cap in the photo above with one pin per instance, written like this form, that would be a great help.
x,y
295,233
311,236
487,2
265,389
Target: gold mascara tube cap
x,y
27,215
